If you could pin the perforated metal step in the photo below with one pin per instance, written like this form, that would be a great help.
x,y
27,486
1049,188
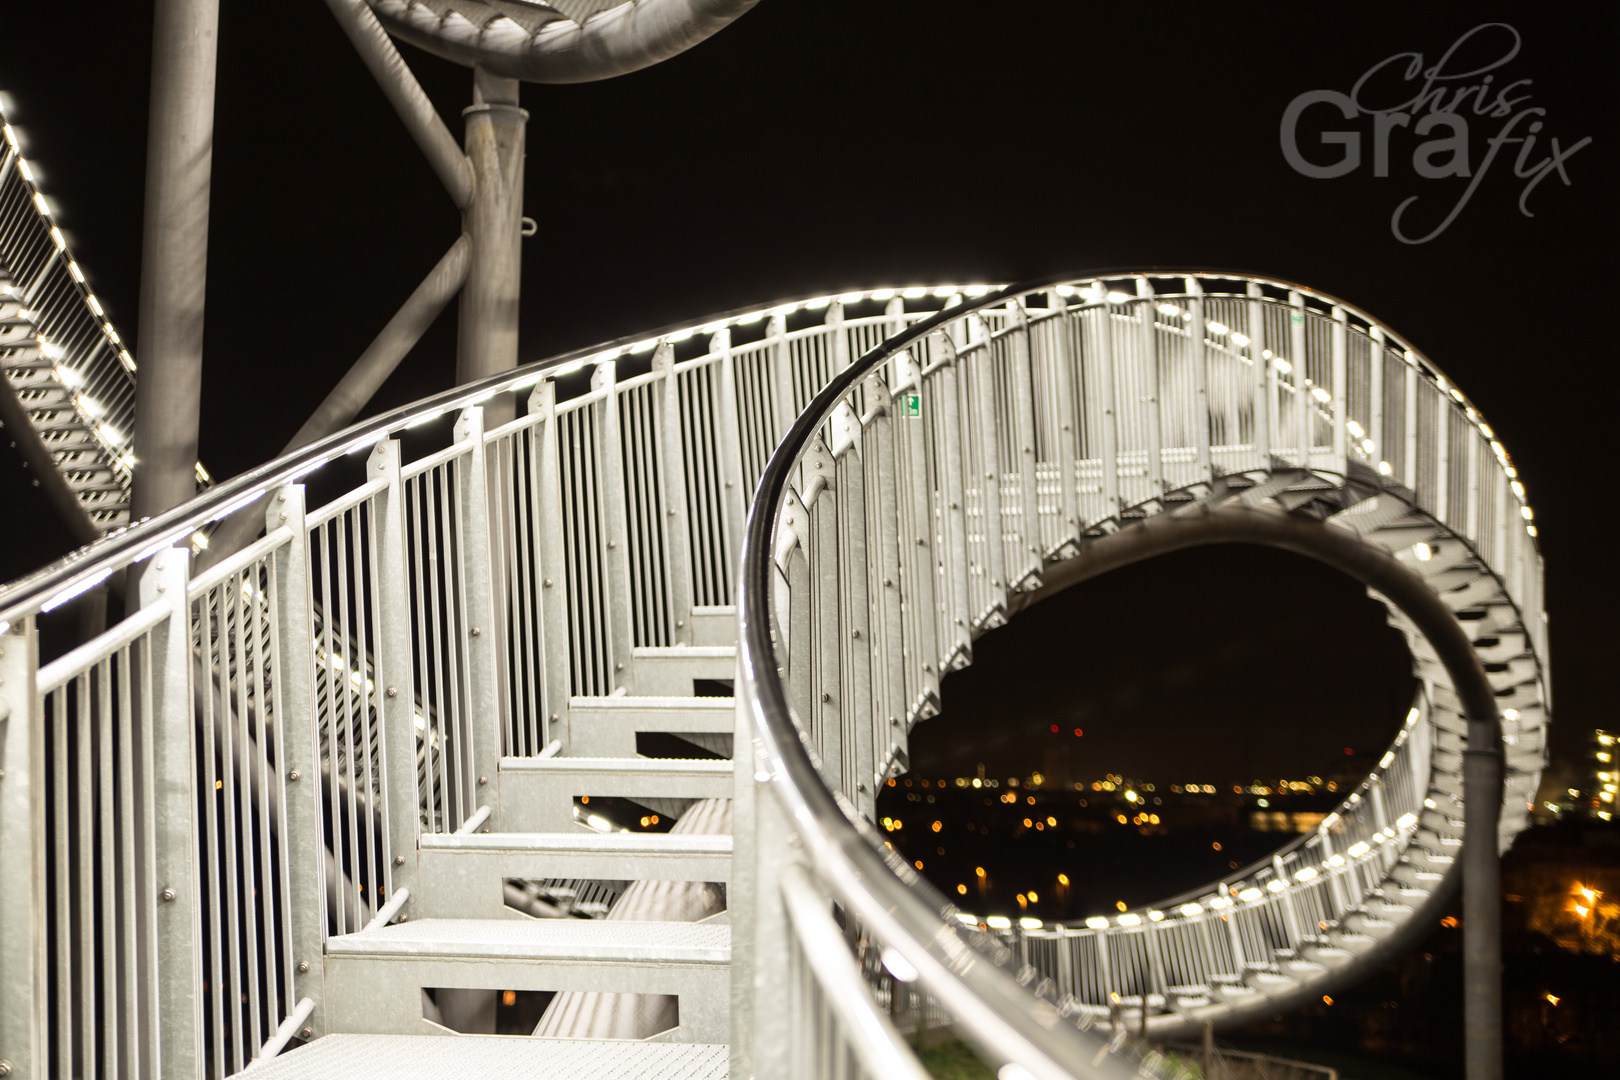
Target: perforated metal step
x,y
388,1057
542,939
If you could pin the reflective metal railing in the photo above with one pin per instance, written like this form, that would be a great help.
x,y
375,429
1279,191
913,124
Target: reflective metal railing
x,y
354,677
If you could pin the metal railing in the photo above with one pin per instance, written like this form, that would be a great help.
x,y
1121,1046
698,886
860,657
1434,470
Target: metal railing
x,y
353,678
929,484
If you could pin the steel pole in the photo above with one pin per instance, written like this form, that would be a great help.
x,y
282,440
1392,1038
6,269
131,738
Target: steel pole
x,y
174,254
488,333
1482,900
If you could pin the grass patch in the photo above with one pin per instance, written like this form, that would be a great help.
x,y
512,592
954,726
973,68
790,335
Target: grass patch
x,y
951,1059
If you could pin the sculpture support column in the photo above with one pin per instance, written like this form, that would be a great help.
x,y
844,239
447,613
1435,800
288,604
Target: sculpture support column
x,y
488,334
174,254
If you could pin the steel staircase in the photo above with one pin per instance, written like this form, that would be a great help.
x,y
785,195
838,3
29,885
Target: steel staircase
x,y
601,537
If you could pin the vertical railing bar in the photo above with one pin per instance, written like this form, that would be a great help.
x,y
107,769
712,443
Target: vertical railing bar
x,y
85,906
484,721
419,509
231,985
949,426
1340,380
729,421
677,534
1110,418
177,955
266,764
453,645
213,782
323,670
1066,437
1264,377
978,379
342,739
438,700
243,783
1198,359
360,793
63,1050
297,755
106,842
396,699
1148,331
546,502
1302,396
1410,417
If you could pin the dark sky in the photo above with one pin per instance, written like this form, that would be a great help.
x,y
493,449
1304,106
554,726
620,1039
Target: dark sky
x,y
859,143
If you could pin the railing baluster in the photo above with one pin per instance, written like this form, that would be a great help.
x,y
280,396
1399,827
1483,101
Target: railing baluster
x,y
484,630
918,562
1110,411
1148,329
614,528
1026,569
729,438
297,754
1264,377
677,534
979,378
394,684
854,627
781,363
24,1040
546,522
1067,444
171,830
822,598
1340,388
1196,356
947,427
888,724
1299,358
1410,418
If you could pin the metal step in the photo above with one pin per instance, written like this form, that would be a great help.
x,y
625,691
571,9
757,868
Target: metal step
x,y
607,726
714,625
375,978
461,876
537,794
388,1057
669,672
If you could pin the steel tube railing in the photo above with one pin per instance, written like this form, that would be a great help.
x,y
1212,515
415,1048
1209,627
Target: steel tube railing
x,y
354,706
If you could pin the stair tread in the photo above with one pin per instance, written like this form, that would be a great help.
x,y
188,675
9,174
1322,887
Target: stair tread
x,y
702,766
604,843
386,1057
686,651
727,704
543,939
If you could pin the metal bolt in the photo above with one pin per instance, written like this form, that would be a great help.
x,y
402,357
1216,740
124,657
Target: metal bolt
x,y
476,631
305,1032
895,720
5,1068
679,623
555,716
399,860
281,496
282,517
169,895
860,787
854,633
548,583
825,696
303,967
672,511
404,917
618,667
887,583
610,544
482,780
393,692
294,776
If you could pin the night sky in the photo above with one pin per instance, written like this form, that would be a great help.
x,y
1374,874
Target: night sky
x,y
861,143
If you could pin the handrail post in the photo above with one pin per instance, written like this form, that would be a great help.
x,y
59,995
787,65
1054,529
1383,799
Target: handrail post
x,y
547,522
620,612
303,848
888,725
1299,357
958,606
918,563
978,374
1110,414
23,903
393,673
1339,389
1147,321
1025,575
172,828
677,532
1200,369
781,362
486,630
733,499
1265,397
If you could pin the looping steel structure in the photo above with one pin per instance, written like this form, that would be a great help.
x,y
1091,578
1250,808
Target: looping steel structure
x,y
352,762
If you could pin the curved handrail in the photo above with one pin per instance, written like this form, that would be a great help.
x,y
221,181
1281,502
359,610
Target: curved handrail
x,y
843,851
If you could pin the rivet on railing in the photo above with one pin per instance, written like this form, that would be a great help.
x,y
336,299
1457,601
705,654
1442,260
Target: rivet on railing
x,y
476,631
887,584
399,860
305,1032
825,697
679,623
303,967
169,895
548,583
854,633
482,780
5,1068
895,720
618,667
294,776
611,544
393,692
